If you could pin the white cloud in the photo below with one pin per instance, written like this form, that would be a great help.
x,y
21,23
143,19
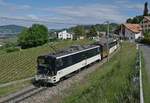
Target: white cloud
x,y
95,12
32,16
82,14
23,7
10,6
135,6
121,1
85,14
126,4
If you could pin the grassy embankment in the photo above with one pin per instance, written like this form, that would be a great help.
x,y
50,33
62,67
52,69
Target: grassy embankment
x,y
111,83
146,83
22,64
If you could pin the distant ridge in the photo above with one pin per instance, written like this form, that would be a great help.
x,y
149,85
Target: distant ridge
x,y
10,30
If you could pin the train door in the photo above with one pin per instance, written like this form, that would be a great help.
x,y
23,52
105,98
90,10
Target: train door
x,y
84,59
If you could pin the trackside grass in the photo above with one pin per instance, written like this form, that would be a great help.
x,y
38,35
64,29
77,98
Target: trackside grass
x,y
146,83
111,83
22,64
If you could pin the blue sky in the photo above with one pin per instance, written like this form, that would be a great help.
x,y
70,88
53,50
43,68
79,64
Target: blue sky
x,y
70,11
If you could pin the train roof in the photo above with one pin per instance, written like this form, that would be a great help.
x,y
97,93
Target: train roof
x,y
71,50
103,41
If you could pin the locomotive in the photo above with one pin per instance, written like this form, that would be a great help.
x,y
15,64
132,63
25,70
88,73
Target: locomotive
x,y
54,66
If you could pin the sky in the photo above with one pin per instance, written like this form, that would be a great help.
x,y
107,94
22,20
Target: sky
x,y
70,11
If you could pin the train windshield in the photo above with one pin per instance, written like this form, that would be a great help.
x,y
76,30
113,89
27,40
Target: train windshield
x,y
45,66
43,62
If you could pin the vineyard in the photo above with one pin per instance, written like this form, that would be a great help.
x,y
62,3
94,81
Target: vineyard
x,y
22,64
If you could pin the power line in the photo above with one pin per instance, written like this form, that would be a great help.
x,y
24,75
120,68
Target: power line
x,y
32,20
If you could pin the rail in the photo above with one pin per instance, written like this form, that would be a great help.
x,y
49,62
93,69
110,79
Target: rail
x,y
23,94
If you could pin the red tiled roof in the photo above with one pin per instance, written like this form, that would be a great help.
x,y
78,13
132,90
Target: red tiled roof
x,y
136,28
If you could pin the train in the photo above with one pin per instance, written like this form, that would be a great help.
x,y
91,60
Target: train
x,y
51,68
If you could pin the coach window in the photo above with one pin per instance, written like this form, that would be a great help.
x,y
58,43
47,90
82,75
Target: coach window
x,y
59,63
98,49
69,60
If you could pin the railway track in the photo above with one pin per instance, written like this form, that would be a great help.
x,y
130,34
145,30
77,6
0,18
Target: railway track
x,y
23,94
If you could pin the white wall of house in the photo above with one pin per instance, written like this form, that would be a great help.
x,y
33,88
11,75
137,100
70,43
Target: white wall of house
x,y
137,35
131,35
65,35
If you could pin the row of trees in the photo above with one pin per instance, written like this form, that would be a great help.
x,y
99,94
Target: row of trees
x,y
92,30
81,31
38,34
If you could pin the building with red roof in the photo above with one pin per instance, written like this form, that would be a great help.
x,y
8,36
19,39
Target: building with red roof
x,y
130,31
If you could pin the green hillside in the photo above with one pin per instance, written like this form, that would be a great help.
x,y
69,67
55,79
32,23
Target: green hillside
x,y
22,64
10,30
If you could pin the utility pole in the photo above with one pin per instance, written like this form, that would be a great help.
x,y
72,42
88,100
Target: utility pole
x,y
107,40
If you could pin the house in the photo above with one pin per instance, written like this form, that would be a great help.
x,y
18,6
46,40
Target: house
x,y
130,32
145,23
65,35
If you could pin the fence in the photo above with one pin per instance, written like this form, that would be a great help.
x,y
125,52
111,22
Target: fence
x,y
139,66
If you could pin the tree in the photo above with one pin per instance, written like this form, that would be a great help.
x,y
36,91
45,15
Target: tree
x,y
145,9
92,32
33,36
136,19
147,34
79,31
129,20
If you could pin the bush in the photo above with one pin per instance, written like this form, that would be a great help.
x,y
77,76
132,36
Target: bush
x,y
12,49
10,44
147,34
33,36
146,41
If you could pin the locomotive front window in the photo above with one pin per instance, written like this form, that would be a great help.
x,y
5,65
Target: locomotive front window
x,y
43,62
